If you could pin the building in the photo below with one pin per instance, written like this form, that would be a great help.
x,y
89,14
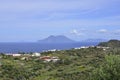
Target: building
x,y
36,54
16,55
48,59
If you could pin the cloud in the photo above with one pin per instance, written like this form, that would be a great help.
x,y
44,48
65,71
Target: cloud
x,y
43,6
103,31
50,4
111,33
78,11
76,32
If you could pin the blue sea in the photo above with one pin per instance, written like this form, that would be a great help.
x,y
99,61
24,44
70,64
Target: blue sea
x,y
39,47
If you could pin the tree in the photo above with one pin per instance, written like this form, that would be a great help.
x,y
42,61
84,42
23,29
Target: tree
x,y
110,70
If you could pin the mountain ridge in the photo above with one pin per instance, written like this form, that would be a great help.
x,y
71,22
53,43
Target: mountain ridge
x,y
56,39
95,40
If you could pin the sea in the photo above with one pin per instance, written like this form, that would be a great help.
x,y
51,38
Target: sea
x,y
40,47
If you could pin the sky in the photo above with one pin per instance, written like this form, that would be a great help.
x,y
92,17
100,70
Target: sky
x,y
32,20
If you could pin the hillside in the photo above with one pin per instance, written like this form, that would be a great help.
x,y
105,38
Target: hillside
x,y
111,43
74,64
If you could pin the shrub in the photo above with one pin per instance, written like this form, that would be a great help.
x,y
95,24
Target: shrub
x,y
109,70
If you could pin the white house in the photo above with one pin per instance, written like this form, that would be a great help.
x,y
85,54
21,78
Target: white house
x,y
36,54
53,50
16,55
48,59
77,48
55,59
84,47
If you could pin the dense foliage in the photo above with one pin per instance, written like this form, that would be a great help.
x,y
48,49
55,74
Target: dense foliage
x,y
75,64
109,70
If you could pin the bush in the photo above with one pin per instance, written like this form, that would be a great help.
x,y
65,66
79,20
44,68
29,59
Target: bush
x,y
109,70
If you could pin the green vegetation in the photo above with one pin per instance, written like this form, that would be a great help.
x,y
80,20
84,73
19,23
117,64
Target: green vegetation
x,y
111,43
76,64
109,70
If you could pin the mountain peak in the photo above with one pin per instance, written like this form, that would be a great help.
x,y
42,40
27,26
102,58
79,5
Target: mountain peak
x,y
56,39
56,36
51,36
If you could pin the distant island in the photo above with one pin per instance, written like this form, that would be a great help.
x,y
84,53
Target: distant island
x,y
64,39
56,39
95,40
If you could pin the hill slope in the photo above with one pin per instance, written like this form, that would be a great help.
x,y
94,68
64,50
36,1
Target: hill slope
x,y
111,43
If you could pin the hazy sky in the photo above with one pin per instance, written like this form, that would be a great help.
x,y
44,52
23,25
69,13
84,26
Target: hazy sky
x,y
31,20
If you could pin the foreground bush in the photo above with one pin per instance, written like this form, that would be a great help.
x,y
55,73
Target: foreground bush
x,y
109,70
